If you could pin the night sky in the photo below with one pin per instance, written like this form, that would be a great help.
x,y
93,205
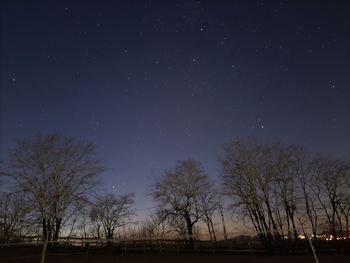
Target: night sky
x,y
152,82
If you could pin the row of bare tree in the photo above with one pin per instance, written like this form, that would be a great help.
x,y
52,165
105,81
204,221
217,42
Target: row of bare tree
x,y
54,181
285,191
282,190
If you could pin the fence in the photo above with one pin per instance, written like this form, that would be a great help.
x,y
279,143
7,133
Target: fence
x,y
181,245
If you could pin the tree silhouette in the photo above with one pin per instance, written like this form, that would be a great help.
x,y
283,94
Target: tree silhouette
x,y
55,172
180,194
111,211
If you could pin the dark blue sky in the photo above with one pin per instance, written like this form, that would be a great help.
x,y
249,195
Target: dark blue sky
x,y
151,82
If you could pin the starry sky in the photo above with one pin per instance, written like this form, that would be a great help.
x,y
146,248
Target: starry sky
x,y
152,82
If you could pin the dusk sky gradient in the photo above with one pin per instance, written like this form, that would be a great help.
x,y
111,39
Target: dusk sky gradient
x,y
152,82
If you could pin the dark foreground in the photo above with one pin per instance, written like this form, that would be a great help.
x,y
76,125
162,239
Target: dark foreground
x,y
30,255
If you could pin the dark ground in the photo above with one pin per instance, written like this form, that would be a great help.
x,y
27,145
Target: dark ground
x,y
30,254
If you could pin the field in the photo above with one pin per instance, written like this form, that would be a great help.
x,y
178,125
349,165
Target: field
x,y
32,254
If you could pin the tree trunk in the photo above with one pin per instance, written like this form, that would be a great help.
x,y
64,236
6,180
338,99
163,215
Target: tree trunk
x,y
340,224
190,234
109,236
47,229
57,228
212,229
223,221
209,231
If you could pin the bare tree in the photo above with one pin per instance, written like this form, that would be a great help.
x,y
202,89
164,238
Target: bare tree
x,y
331,189
179,193
55,172
247,177
285,161
261,181
14,216
309,208
210,204
221,209
84,224
278,186
111,211
176,223
151,226
344,206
